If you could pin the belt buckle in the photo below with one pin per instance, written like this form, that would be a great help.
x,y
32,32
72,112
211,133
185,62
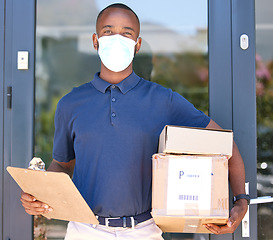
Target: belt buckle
x,y
124,223
107,221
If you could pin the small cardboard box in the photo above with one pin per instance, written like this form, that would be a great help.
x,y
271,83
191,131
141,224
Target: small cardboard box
x,y
189,191
185,140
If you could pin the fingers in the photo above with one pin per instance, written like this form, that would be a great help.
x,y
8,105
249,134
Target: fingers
x,y
33,206
212,228
219,229
236,215
27,197
230,227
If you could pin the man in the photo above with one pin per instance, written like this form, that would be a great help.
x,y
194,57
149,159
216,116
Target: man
x,y
107,130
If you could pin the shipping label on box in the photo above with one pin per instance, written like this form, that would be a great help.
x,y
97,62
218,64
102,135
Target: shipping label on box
x,y
189,188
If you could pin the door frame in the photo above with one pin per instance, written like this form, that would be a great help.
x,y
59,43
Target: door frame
x,y
18,28
229,106
244,117
2,20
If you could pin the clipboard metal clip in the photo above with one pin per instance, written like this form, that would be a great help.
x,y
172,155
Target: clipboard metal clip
x,y
37,164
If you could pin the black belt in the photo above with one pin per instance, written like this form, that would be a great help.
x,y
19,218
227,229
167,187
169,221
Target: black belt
x,y
125,221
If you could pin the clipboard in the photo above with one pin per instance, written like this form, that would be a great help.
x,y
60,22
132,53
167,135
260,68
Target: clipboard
x,y
58,191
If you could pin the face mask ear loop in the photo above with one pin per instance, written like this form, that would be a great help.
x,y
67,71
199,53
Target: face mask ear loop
x,y
98,41
97,35
137,39
136,44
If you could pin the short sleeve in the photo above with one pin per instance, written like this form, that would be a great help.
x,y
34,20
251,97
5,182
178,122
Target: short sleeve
x,y
63,146
183,113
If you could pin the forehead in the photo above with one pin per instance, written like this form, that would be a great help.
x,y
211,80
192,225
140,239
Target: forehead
x,y
118,17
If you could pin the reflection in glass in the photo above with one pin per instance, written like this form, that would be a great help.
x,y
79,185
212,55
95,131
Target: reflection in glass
x,y
264,91
174,54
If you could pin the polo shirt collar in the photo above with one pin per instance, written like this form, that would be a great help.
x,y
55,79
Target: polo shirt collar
x,y
125,85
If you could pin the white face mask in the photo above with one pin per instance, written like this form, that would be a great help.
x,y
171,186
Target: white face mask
x,y
116,52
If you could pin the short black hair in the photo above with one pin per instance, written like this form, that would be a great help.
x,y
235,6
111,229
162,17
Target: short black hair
x,y
117,5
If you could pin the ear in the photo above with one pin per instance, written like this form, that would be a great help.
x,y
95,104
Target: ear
x,y
95,41
138,45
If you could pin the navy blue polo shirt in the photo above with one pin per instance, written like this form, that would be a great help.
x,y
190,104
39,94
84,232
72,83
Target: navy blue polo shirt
x,y
112,131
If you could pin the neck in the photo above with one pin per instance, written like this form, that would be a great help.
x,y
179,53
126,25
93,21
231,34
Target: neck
x,y
114,77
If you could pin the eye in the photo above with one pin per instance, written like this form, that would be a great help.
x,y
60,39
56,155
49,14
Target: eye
x,y
127,34
107,32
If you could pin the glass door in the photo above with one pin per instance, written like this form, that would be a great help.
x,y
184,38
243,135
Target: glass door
x,y
174,53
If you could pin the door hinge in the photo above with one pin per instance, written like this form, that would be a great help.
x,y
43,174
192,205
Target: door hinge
x,y
9,97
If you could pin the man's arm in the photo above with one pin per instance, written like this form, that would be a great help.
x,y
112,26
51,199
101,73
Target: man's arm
x,y
34,207
237,182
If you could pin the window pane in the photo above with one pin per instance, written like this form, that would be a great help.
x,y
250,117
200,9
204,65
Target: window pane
x,y
264,87
173,53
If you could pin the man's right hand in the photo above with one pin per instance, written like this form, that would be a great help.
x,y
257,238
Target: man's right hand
x,y
33,206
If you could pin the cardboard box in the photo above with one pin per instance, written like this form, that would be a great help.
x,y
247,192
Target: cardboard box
x,y
181,140
189,191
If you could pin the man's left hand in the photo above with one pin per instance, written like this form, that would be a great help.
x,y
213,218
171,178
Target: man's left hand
x,y
237,213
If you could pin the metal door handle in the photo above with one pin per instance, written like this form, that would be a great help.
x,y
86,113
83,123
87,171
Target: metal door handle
x,y
258,200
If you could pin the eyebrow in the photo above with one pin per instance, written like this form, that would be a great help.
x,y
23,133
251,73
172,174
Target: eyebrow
x,y
107,26
129,28
110,26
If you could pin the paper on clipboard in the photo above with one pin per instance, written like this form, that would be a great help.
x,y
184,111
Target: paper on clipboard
x,y
58,191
